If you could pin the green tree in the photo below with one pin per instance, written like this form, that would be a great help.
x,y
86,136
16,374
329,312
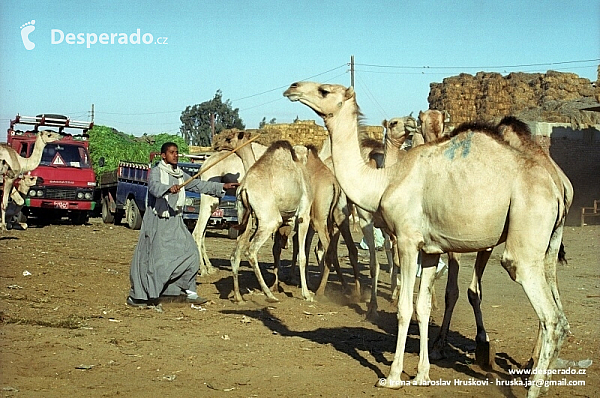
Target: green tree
x,y
196,120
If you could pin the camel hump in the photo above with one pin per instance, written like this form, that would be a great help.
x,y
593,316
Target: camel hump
x,y
479,127
519,127
284,145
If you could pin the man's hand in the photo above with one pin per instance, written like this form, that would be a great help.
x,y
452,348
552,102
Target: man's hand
x,y
231,185
175,188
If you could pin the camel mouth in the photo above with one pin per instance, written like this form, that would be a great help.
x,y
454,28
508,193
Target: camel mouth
x,y
292,96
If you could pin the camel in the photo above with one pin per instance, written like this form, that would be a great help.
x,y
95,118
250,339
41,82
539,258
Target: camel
x,y
274,193
510,199
12,165
329,215
229,169
329,218
17,195
517,135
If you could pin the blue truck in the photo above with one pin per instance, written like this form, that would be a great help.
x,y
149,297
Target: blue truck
x,y
123,196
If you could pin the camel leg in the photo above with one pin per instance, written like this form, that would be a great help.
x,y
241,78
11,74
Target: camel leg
x,y
553,321
309,237
407,254
6,188
207,204
550,261
240,247
429,264
484,355
344,228
277,245
451,298
262,234
302,225
373,268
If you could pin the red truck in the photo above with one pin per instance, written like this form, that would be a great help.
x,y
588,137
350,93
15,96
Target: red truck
x,y
66,180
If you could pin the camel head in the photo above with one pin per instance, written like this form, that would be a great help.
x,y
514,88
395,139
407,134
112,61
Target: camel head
x,y
325,99
48,136
432,123
229,139
398,129
26,182
302,153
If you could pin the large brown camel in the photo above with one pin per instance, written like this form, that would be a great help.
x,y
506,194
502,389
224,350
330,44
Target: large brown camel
x,y
275,192
510,198
12,165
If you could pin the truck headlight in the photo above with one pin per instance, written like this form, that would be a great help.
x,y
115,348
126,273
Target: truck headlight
x,y
88,195
79,195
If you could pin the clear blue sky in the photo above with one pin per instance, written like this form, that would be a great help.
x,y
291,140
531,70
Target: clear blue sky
x,y
252,50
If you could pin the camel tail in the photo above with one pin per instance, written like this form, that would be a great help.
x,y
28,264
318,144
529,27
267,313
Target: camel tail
x,y
334,203
244,221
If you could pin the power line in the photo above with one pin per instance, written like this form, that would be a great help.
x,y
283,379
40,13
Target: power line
x,y
478,67
287,85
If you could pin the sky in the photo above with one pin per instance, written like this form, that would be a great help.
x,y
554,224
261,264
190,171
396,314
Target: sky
x,y
139,64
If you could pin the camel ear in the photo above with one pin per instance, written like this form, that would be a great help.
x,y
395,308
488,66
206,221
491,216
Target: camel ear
x,y
384,123
446,117
349,92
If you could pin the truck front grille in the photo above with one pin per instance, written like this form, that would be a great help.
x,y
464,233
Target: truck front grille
x,y
61,193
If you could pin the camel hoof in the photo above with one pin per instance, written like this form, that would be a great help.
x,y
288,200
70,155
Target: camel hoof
x,y
436,354
211,270
372,315
391,384
485,355
272,299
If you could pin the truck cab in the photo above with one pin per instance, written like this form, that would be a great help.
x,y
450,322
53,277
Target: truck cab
x,y
66,180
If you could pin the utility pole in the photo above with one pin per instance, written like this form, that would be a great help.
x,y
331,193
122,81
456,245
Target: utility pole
x,y
92,114
352,70
212,128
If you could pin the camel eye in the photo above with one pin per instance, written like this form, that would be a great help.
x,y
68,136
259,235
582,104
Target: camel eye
x,y
323,92
393,124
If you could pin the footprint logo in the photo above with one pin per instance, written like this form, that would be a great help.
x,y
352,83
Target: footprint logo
x,y
26,29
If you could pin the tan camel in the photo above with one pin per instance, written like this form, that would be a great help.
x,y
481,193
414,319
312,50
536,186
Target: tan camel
x,y
330,217
275,192
12,165
516,134
230,169
518,204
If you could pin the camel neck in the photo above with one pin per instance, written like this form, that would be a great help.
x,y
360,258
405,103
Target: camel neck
x,y
33,161
361,183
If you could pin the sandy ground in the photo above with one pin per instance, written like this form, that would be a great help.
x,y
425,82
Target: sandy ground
x,y
66,330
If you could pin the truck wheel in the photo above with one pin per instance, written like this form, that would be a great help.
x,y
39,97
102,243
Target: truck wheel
x,y
79,217
132,214
232,233
107,216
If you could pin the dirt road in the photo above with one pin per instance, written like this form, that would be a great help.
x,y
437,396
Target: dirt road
x,y
66,330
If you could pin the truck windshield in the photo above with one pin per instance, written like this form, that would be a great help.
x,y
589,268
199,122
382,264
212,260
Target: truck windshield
x,y
65,155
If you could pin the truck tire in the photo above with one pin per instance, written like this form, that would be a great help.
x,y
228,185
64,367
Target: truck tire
x,y
107,216
232,233
132,214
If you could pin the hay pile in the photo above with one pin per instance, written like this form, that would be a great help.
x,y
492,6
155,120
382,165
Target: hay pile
x,y
548,97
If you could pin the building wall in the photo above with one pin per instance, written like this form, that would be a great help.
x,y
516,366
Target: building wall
x,y
577,152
